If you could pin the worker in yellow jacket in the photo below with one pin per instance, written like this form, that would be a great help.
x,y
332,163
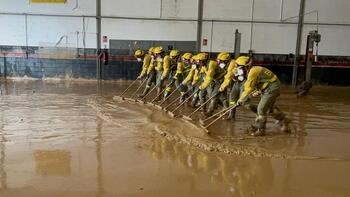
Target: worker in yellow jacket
x,y
182,70
174,60
149,72
195,77
141,56
236,82
262,82
216,70
162,68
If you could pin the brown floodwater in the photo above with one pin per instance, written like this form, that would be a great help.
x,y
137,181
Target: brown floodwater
x,y
70,138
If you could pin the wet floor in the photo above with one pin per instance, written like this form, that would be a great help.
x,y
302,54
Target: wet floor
x,y
69,138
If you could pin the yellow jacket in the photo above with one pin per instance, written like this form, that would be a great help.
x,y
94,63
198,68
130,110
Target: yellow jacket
x,y
164,66
194,75
213,72
190,76
152,66
258,79
182,67
146,63
230,75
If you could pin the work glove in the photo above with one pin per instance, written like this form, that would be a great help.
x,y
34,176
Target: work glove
x,y
147,76
139,77
256,93
175,76
221,89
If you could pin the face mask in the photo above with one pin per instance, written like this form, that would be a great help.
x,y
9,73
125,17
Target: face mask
x,y
241,78
152,56
222,65
139,59
239,72
194,66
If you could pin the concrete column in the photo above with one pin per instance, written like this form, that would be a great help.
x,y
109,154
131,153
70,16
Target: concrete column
x,y
98,40
298,43
199,25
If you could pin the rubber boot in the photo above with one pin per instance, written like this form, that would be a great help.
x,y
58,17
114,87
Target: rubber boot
x,y
231,115
166,94
284,124
194,101
182,97
159,96
261,128
211,108
144,92
259,132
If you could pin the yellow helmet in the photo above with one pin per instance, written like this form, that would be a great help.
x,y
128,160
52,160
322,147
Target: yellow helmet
x,y
139,53
187,56
193,58
150,50
243,61
158,50
223,56
201,57
174,53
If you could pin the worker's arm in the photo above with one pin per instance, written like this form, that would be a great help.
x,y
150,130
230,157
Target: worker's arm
x,y
229,75
146,62
195,77
179,69
166,67
151,66
209,77
250,85
189,77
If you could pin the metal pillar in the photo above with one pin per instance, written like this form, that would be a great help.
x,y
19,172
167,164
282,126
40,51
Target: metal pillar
x,y
298,43
98,40
237,48
26,31
199,25
5,67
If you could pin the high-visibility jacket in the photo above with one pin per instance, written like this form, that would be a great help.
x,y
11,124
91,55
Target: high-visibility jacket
x,y
195,74
163,65
230,75
146,63
182,68
213,73
259,78
152,66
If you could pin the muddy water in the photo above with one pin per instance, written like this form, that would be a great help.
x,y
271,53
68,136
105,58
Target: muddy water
x,y
69,138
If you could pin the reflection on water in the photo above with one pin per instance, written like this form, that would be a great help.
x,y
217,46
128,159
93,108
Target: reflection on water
x,y
100,185
52,163
3,175
242,176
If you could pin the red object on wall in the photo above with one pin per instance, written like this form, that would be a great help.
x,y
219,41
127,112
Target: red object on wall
x,y
104,39
205,42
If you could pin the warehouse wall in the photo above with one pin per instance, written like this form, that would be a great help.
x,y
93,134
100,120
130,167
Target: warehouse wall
x,y
266,38
47,31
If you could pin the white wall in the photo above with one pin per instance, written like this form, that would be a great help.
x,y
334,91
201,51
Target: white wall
x,y
46,31
266,38
335,40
